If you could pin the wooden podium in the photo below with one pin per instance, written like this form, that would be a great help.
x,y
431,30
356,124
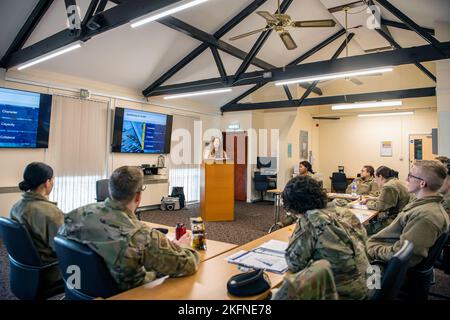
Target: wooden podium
x,y
217,191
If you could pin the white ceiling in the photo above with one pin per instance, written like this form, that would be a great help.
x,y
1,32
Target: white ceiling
x,y
134,58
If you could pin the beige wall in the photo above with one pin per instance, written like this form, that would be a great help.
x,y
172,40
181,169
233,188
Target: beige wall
x,y
353,142
13,161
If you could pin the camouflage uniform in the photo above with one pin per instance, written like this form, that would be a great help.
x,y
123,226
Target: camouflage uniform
x,y
42,218
133,252
366,186
394,196
421,222
337,236
446,202
315,282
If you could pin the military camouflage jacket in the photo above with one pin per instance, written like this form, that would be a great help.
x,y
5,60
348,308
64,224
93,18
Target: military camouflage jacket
x,y
394,196
446,202
364,187
42,218
335,235
133,252
421,222
315,282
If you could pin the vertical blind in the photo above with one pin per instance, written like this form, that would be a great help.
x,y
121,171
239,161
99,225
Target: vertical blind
x,y
77,150
184,173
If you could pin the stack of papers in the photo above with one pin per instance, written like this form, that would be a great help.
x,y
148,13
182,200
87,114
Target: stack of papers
x,y
360,206
269,256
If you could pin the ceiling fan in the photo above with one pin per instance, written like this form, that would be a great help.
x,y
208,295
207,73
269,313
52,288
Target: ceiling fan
x,y
280,21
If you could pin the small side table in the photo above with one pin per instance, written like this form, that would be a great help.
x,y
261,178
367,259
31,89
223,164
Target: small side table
x,y
276,206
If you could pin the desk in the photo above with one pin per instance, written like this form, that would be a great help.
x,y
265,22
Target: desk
x,y
210,281
364,215
214,248
346,196
276,206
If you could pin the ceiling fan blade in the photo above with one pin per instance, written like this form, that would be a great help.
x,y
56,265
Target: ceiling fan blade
x,y
314,23
348,5
268,16
249,33
287,40
356,81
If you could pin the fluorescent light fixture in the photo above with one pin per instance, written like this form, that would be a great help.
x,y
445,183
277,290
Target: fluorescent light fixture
x,y
406,113
362,105
51,55
198,93
167,11
347,74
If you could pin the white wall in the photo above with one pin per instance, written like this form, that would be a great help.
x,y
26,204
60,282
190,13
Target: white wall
x,y
353,142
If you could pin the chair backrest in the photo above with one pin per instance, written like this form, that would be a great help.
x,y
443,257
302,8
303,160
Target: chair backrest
x,y
101,188
339,177
433,254
395,273
339,181
18,242
95,278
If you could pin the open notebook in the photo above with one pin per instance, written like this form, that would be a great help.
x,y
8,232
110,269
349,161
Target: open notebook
x,y
268,256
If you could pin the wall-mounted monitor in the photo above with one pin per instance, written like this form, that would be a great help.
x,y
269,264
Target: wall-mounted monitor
x,y
137,131
24,119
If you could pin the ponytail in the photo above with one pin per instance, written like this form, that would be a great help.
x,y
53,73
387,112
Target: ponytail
x,y
386,172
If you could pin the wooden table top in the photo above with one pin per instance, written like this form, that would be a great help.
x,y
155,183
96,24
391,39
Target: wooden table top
x,y
333,195
210,281
213,248
275,191
365,215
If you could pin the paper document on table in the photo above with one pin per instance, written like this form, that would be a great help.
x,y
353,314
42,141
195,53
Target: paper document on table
x,y
273,247
256,260
156,282
359,206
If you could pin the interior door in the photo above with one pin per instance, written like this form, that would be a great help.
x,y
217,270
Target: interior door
x,y
235,144
420,148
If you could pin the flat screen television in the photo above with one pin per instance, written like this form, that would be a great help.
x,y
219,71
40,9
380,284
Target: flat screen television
x,y
137,131
24,119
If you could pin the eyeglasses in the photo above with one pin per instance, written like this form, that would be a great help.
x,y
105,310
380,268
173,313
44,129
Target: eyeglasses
x,y
142,188
415,177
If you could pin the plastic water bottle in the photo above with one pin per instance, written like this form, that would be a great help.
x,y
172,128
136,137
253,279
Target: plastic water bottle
x,y
354,189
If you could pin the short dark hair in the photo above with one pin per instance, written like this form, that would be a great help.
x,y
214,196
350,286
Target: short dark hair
x,y
370,170
386,172
125,182
303,193
307,165
35,174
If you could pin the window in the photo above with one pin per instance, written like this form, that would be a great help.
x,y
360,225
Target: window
x,y
77,150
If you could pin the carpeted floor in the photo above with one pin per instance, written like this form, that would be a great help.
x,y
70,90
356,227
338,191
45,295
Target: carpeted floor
x,y
251,222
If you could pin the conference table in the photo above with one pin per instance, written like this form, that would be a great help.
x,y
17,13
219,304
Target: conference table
x,y
210,280
214,248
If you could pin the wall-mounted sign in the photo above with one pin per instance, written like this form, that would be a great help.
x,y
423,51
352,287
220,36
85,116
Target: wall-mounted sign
x,y
234,126
386,149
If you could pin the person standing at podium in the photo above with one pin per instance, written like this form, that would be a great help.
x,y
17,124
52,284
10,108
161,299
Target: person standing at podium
x,y
215,150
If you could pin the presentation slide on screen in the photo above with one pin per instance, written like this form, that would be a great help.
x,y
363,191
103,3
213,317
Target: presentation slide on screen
x,y
19,116
143,132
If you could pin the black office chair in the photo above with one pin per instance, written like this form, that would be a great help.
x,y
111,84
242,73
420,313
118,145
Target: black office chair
x,y
26,272
443,261
394,273
420,277
262,184
95,280
101,189
339,182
